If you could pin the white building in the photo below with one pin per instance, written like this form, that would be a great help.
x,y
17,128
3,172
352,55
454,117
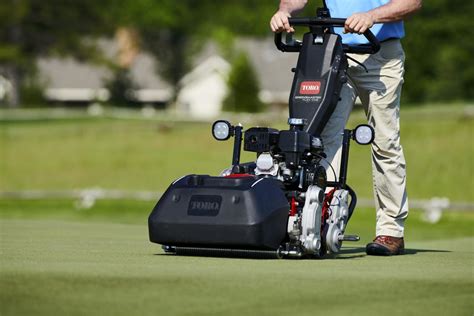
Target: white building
x,y
204,88
5,88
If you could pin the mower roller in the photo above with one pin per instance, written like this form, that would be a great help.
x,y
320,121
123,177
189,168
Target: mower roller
x,y
281,205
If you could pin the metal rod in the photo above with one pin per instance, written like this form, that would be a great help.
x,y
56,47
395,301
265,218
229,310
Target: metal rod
x,y
237,145
349,238
230,253
353,202
346,140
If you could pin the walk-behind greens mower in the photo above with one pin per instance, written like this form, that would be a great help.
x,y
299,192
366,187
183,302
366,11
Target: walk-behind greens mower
x,y
281,205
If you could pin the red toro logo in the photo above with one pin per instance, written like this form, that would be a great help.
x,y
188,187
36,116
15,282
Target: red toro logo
x,y
310,87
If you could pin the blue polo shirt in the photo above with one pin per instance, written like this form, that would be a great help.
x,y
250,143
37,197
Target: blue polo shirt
x,y
345,8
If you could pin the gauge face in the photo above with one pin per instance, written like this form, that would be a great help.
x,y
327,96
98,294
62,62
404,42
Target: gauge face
x,y
364,134
221,130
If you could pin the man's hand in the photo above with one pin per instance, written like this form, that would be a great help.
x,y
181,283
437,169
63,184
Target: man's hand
x,y
279,22
359,23
394,10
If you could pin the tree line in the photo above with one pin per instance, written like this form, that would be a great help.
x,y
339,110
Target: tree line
x,y
438,44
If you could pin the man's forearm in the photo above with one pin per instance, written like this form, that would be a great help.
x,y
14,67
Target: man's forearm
x,y
395,10
292,6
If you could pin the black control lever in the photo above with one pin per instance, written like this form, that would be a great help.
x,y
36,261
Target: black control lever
x,y
358,62
285,47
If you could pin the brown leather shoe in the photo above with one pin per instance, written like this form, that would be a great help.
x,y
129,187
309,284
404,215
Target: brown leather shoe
x,y
386,246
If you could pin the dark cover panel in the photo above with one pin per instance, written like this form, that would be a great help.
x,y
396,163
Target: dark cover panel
x,y
205,211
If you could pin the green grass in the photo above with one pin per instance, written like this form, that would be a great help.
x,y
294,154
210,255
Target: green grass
x,y
148,155
56,259
451,225
93,267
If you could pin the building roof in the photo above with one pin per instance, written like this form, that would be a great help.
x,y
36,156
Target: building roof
x,y
67,78
213,63
272,66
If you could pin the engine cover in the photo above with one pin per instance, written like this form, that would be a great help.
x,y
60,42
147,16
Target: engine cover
x,y
203,211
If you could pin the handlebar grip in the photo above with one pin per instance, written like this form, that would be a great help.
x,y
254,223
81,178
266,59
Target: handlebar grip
x,y
372,48
314,21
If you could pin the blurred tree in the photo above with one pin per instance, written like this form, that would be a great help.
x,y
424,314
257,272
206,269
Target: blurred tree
x,y
33,28
439,50
243,87
174,30
171,30
120,86
438,42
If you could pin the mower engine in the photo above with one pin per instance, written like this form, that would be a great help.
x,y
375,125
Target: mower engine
x,y
316,219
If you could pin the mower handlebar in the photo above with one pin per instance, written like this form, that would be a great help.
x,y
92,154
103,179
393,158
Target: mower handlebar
x,y
371,48
314,21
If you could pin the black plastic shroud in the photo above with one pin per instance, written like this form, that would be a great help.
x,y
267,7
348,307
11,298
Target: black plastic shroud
x,y
319,76
219,212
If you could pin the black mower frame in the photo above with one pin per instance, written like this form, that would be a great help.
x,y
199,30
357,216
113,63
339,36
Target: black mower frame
x,y
247,211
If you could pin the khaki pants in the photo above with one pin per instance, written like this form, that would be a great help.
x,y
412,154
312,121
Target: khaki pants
x,y
379,90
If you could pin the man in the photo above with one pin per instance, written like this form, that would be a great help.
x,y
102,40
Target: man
x,y
379,89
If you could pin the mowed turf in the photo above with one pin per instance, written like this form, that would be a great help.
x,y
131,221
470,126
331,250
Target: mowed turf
x,y
56,260
68,268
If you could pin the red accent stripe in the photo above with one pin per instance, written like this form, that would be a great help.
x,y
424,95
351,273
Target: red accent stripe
x,y
239,175
326,205
293,208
